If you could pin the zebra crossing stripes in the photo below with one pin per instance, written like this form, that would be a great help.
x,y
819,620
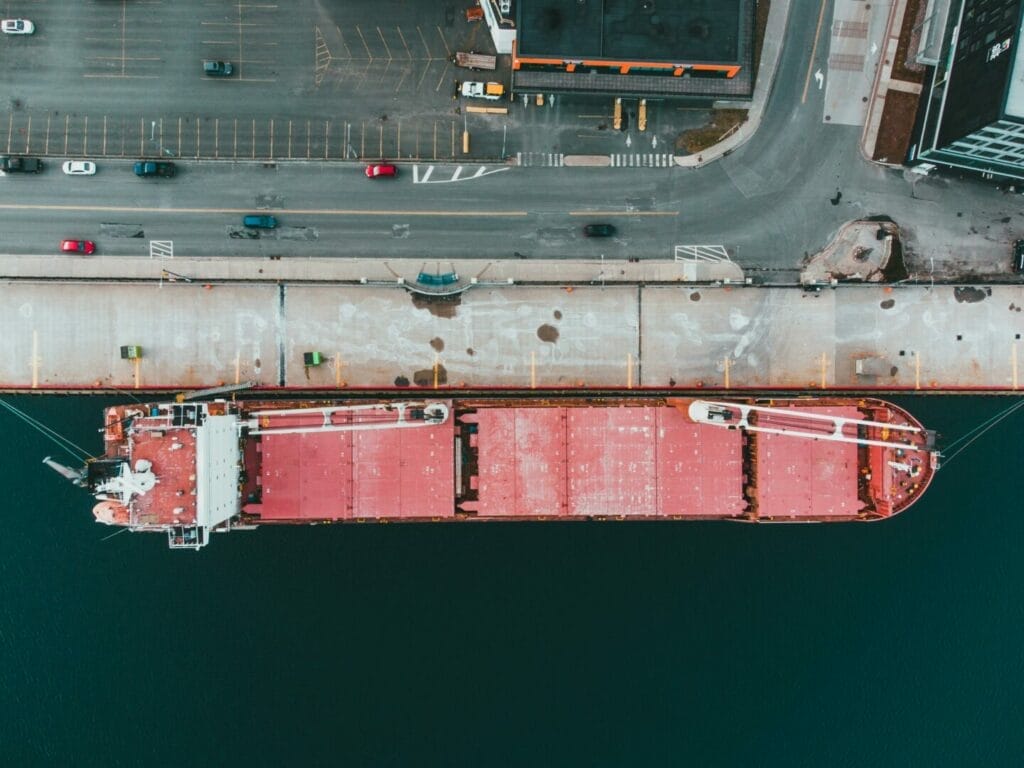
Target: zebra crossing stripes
x,y
540,159
643,160
624,160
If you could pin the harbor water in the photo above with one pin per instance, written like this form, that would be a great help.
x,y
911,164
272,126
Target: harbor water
x,y
894,643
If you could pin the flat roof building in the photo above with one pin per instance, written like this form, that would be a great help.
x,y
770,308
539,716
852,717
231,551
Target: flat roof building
x,y
974,108
662,48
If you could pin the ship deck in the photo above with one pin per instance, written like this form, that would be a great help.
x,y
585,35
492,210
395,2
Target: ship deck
x,y
613,461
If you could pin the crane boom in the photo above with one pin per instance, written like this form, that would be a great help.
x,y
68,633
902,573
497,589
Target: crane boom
x,y
814,426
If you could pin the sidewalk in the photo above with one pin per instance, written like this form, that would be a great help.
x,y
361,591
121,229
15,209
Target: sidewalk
x,y
892,107
399,272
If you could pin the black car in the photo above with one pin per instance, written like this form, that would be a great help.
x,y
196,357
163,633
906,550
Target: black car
x,y
21,164
598,230
1018,256
151,168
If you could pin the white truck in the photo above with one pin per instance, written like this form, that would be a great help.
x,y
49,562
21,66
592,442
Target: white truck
x,y
474,89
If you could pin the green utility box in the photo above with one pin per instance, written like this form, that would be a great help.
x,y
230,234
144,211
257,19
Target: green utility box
x,y
131,352
310,359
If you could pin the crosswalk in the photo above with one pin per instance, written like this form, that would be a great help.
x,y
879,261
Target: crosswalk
x,y
621,160
644,160
540,159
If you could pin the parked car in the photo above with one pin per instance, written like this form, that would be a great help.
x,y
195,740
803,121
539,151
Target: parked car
x,y
78,246
259,221
598,230
151,168
17,27
21,164
379,170
474,89
79,168
217,68
1018,256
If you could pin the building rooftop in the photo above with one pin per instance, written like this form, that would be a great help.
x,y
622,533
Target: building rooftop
x,y
679,31
985,56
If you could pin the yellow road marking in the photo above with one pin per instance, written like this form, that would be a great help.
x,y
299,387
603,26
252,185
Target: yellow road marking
x,y
282,211
623,213
814,50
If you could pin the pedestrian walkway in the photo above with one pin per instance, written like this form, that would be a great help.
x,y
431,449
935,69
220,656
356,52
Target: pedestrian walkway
x,y
853,55
540,159
616,160
645,160
893,102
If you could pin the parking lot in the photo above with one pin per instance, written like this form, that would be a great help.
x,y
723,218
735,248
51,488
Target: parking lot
x,y
357,80
242,138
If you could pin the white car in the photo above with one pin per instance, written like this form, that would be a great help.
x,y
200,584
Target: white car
x,y
79,168
17,27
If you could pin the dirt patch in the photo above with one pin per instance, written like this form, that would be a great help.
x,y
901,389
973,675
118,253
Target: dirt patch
x,y
695,296
760,22
723,122
895,268
425,377
470,351
446,306
547,333
903,66
558,314
968,294
888,304
437,343
895,127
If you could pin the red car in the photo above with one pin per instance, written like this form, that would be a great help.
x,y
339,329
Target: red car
x,y
383,169
78,246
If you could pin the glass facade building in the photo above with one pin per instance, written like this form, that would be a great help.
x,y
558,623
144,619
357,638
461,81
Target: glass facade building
x,y
974,110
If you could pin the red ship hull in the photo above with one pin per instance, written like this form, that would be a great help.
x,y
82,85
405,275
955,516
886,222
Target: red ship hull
x,y
219,466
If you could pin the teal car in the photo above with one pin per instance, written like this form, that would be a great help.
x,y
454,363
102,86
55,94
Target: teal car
x,y
259,221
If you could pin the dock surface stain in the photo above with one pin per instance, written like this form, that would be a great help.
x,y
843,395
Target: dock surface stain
x,y
970,294
547,333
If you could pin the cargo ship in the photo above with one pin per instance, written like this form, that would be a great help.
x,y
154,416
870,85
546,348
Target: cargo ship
x,y
189,469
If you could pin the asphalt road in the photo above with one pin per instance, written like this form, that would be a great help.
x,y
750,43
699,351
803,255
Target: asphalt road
x,y
334,210
776,199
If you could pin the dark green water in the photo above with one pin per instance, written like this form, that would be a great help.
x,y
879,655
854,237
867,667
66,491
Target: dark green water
x,y
891,644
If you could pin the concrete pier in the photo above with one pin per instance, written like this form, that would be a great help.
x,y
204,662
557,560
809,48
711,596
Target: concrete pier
x,y
67,334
